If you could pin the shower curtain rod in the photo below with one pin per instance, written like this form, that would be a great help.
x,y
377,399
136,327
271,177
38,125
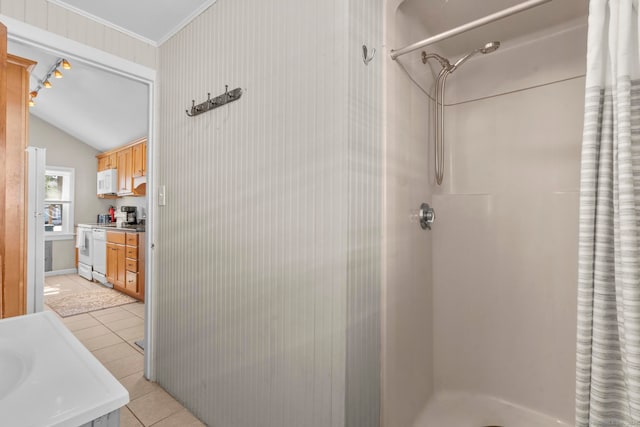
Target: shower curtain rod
x,y
468,26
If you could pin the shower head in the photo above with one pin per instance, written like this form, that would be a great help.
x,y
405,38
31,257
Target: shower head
x,y
487,48
490,47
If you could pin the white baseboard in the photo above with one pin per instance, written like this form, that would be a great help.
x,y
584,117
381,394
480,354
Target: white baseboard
x,y
61,272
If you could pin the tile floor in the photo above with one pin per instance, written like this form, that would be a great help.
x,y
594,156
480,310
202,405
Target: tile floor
x,y
110,334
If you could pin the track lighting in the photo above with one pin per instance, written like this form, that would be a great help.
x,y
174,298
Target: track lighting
x,y
53,71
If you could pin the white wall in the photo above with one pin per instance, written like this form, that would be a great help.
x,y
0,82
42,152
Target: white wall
x,y
51,17
263,256
407,301
66,151
505,267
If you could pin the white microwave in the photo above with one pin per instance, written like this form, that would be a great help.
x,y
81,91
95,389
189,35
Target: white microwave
x,y
108,181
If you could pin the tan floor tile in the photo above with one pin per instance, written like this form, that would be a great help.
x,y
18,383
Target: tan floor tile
x,y
130,322
114,316
154,407
121,368
132,334
180,419
82,324
114,352
127,419
101,341
133,344
76,318
138,385
136,308
101,313
92,332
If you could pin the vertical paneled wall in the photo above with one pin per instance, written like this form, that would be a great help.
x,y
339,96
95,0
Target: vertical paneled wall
x,y
252,243
51,17
365,215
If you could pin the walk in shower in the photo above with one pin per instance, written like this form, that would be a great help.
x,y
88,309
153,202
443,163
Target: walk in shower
x,y
480,311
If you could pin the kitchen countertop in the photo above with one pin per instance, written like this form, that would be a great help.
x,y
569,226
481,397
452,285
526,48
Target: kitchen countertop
x,y
49,378
138,229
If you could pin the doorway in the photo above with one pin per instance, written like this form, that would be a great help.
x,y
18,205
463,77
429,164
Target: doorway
x,y
52,44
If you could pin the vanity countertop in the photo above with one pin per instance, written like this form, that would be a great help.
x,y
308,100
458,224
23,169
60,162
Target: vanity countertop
x,y
49,378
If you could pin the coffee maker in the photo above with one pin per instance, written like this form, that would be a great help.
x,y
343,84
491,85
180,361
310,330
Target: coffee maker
x,y
131,215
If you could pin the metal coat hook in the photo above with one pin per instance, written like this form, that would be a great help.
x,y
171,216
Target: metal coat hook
x,y
365,54
218,101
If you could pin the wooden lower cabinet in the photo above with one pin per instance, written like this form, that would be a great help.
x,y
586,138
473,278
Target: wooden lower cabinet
x,y
125,262
116,265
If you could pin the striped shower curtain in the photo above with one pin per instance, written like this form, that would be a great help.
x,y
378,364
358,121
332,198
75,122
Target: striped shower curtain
x,y
608,345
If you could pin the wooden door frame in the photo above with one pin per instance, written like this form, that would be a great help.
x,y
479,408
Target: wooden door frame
x,y
55,44
3,147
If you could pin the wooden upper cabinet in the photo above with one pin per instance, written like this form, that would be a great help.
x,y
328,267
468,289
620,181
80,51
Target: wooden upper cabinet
x,y
131,162
107,161
125,175
139,159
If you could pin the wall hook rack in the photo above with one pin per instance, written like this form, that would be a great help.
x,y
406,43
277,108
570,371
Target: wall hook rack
x,y
213,103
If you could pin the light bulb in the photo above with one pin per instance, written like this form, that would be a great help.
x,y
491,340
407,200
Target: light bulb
x,y
33,93
66,65
57,74
31,102
47,84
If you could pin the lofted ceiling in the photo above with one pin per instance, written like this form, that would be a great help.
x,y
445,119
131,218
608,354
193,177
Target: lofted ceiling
x,y
100,108
441,15
153,21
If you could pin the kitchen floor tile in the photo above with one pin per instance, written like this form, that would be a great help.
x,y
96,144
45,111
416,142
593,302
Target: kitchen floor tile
x,y
114,352
114,316
92,332
121,368
154,407
136,308
101,341
130,322
82,324
101,313
138,385
180,419
132,334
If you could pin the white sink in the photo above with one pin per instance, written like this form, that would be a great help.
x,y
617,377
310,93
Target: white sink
x,y
16,363
48,378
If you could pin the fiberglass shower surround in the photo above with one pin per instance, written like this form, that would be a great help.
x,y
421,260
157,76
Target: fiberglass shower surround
x,y
440,85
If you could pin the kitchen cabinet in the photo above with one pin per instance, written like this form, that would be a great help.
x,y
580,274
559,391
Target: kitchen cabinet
x,y
139,152
107,161
125,262
13,178
131,162
125,177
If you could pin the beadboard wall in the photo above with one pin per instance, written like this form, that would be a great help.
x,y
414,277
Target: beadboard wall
x,y
365,215
266,256
61,21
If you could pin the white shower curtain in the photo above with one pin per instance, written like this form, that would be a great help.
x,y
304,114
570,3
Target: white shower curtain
x,y
608,347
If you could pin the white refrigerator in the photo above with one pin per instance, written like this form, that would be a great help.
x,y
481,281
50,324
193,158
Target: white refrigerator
x,y
35,228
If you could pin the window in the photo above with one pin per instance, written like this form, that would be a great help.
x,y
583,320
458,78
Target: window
x,y
58,202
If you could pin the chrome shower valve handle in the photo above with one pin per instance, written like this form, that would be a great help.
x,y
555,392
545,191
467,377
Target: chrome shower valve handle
x,y
426,215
